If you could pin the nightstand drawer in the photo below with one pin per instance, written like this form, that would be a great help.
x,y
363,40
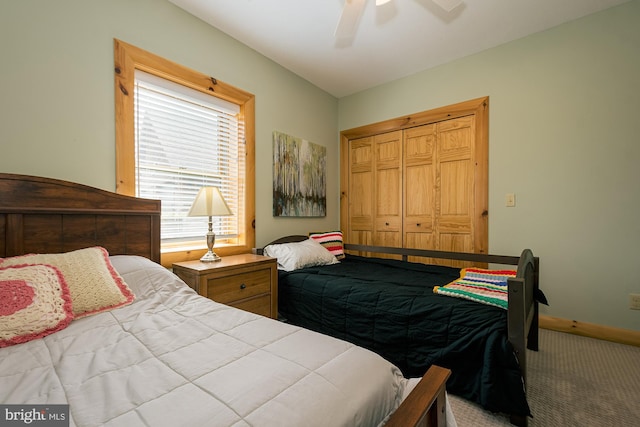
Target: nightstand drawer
x,y
240,286
259,305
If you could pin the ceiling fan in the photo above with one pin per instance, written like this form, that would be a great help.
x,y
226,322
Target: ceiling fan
x,y
353,9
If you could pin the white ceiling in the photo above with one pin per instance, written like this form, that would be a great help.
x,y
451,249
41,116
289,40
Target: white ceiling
x,y
392,41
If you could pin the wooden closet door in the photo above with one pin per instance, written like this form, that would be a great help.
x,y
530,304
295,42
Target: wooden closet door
x,y
388,189
434,195
439,184
361,191
454,198
419,221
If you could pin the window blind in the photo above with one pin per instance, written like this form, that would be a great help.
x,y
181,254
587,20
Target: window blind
x,y
185,140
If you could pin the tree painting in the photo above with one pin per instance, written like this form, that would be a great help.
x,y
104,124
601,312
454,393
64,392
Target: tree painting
x,y
299,184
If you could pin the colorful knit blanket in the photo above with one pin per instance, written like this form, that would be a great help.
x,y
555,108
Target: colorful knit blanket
x,y
480,285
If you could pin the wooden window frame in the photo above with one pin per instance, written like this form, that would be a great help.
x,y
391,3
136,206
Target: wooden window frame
x,y
128,58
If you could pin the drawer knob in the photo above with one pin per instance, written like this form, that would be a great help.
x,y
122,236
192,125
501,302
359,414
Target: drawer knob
x,y
243,286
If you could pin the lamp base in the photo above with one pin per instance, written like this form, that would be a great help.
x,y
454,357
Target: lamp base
x,y
210,256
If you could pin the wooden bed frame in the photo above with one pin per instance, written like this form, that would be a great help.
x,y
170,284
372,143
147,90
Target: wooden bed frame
x,y
523,311
44,215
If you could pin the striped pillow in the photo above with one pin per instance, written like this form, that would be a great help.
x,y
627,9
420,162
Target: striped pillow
x,y
332,241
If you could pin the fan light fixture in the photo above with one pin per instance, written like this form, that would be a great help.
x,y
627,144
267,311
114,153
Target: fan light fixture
x,y
349,18
352,11
209,202
447,5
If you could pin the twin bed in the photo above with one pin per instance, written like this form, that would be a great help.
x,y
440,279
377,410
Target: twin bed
x,y
167,356
127,343
405,312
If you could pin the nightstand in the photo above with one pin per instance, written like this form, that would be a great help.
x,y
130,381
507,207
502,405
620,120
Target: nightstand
x,y
246,281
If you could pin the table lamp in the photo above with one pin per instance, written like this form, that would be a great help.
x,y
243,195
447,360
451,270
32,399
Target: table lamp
x,y
209,202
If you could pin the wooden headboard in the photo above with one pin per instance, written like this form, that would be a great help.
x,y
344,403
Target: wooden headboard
x,y
44,215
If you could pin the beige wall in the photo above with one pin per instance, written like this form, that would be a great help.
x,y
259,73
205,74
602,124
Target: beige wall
x,y
57,93
564,113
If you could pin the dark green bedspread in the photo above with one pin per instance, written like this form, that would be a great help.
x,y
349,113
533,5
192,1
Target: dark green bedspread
x,y
389,307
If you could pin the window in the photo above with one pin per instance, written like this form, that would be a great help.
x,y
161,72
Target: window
x,y
185,140
176,131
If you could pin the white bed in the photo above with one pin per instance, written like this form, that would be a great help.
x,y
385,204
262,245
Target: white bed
x,y
175,358
158,354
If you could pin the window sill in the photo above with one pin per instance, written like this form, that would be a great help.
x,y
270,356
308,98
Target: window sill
x,y
170,255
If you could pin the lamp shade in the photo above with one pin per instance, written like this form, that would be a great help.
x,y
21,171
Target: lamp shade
x,y
209,202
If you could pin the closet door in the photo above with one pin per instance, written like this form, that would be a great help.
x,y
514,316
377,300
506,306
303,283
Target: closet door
x,y
439,187
454,198
361,191
375,188
419,221
388,189
418,181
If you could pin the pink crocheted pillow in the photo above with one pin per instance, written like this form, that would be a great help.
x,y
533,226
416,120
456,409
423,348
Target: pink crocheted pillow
x,y
94,285
34,302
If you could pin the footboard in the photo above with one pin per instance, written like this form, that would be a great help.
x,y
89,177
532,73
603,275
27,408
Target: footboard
x,y
523,309
523,314
425,406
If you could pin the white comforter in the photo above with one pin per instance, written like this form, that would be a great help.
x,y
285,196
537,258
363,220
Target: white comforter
x,y
173,358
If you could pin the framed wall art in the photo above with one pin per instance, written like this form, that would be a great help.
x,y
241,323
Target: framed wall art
x,y
299,177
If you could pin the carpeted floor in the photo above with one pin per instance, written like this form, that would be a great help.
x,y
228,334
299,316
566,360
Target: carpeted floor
x,y
573,381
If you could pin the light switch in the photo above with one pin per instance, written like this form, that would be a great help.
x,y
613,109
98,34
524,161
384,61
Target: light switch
x,y
510,200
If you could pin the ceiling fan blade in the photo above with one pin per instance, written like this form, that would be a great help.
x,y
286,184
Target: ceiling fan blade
x,y
448,5
349,18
